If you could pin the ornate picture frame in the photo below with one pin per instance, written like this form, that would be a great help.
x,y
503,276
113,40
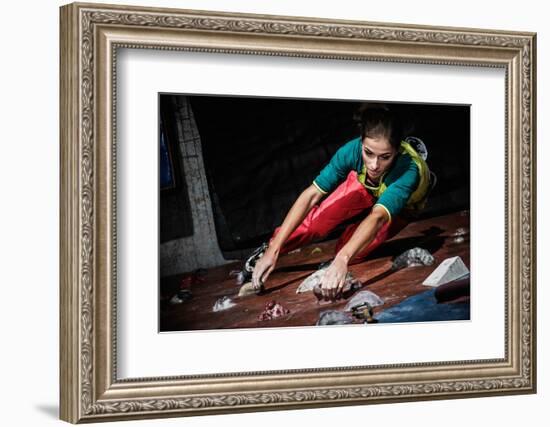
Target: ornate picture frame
x,y
91,34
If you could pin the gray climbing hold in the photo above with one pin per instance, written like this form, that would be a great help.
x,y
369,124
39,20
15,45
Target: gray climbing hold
x,y
363,297
334,318
413,258
314,280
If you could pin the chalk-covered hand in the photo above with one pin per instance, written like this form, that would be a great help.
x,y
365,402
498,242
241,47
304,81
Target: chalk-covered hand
x,y
334,279
264,266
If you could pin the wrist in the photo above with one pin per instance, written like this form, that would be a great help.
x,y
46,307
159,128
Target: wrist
x,y
273,248
342,257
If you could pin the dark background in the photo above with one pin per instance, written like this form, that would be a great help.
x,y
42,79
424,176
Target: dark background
x,y
260,153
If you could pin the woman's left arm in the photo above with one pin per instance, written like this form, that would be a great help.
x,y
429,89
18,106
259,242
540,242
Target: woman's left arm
x,y
334,279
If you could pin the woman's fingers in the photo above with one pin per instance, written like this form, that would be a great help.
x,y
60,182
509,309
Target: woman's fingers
x,y
262,270
325,288
329,286
266,274
332,285
257,274
340,287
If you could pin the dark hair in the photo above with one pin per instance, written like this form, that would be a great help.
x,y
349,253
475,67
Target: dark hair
x,y
377,120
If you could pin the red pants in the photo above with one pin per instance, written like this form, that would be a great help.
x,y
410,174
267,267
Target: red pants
x,y
351,198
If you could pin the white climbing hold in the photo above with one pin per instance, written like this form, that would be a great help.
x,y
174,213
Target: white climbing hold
x,y
449,270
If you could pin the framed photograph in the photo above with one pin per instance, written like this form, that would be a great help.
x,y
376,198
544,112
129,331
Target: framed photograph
x,y
254,177
267,212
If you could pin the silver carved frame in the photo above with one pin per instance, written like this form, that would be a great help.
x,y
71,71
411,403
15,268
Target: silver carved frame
x,y
90,36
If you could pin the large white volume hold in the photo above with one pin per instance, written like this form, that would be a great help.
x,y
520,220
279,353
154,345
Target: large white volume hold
x,y
449,270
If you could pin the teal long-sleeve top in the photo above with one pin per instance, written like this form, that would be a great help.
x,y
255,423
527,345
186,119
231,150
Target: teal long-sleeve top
x,y
405,184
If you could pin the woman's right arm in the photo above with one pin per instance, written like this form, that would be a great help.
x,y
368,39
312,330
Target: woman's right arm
x,y
299,210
